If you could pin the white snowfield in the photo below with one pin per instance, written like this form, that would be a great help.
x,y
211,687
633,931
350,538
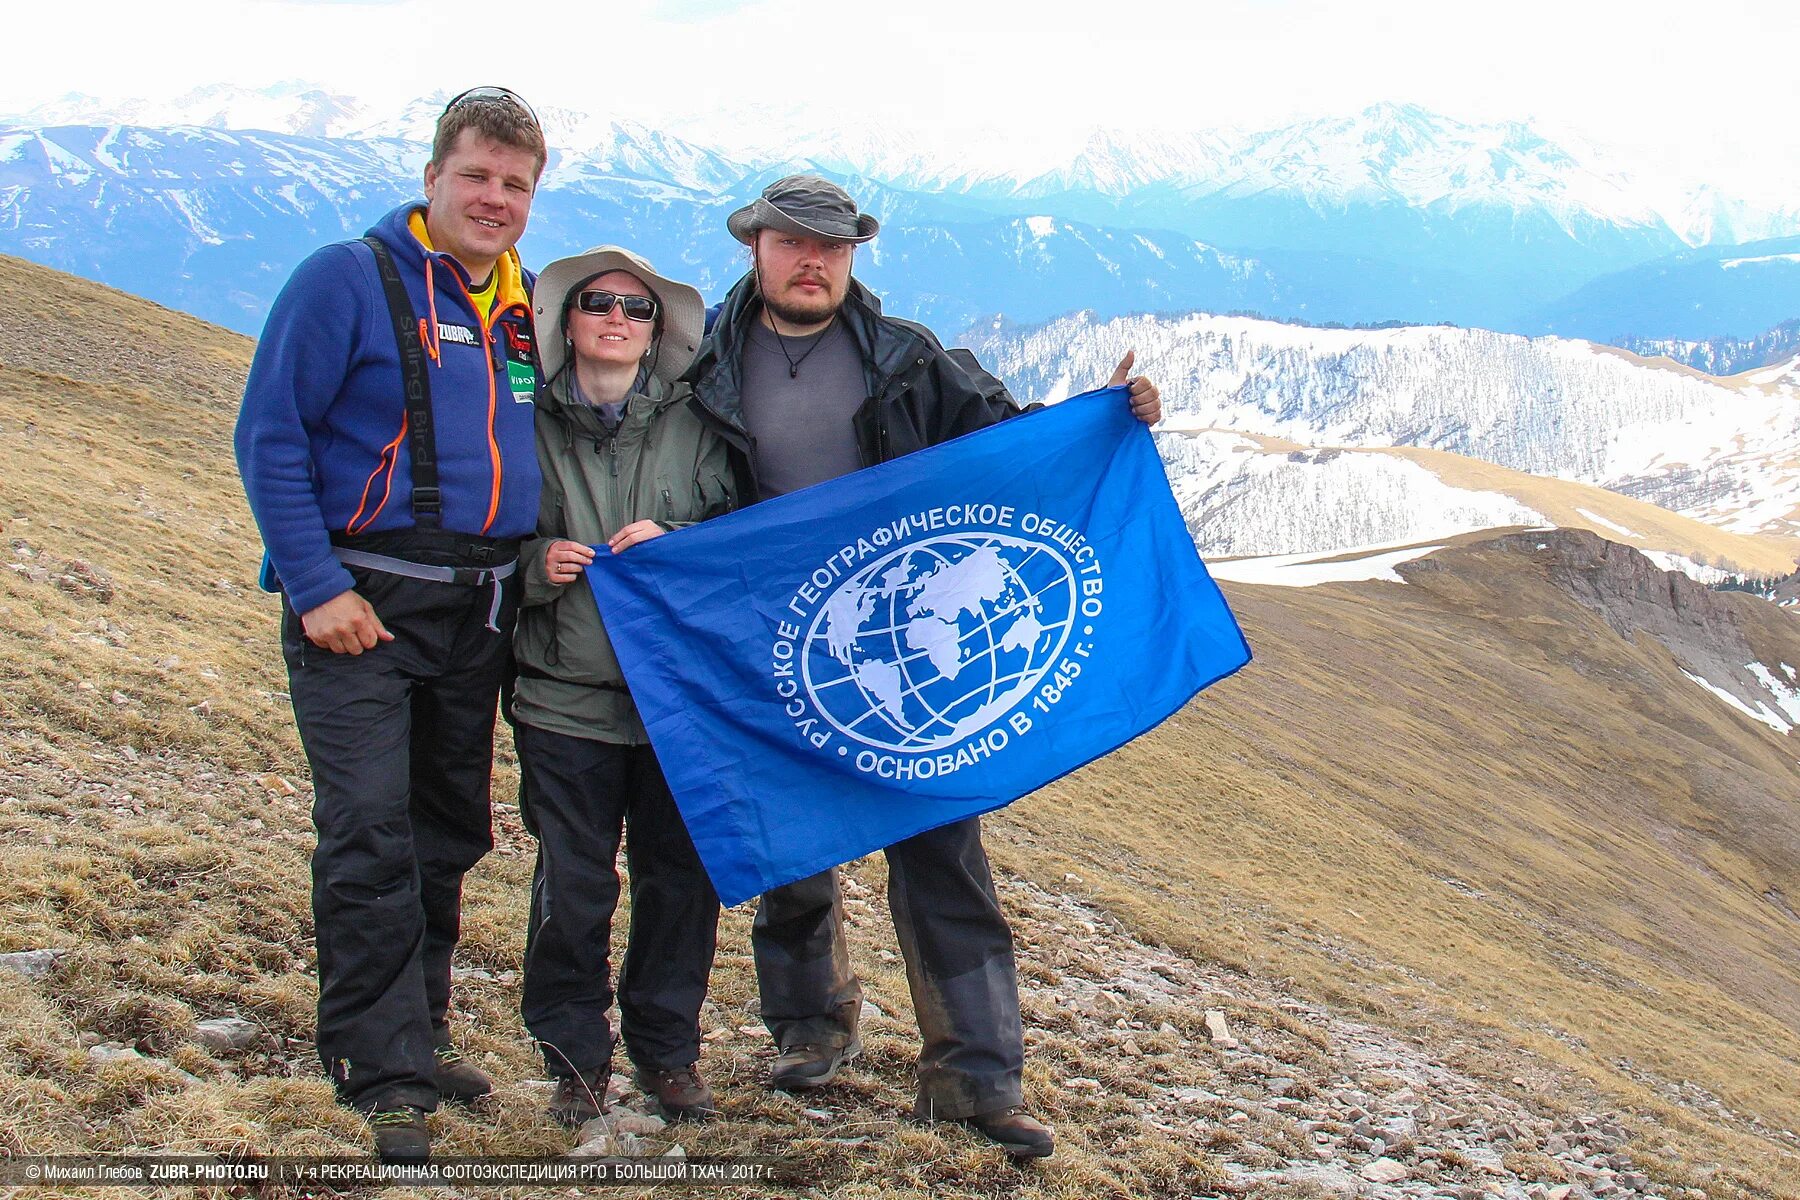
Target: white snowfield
x,y
1726,454
1239,499
1601,521
1306,570
1787,699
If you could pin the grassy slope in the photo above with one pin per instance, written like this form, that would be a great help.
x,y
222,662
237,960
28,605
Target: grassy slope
x,y
1465,806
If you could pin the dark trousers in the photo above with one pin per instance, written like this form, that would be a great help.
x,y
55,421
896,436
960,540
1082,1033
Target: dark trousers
x,y
400,739
958,950
579,795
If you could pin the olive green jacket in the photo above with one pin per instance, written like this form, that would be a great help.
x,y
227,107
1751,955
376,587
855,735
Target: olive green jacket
x,y
660,463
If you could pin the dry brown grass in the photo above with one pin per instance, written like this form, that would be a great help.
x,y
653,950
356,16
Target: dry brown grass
x,y
1464,808
1469,806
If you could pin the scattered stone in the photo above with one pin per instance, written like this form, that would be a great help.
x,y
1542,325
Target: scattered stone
x,y
1217,1032
675,1151
85,581
220,1034
603,1137
869,1009
817,1115
461,974
278,785
638,1124
107,1052
32,964
1081,1083
1194,1095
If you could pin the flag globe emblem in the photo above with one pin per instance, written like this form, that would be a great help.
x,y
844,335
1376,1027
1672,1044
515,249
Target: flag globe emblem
x,y
936,641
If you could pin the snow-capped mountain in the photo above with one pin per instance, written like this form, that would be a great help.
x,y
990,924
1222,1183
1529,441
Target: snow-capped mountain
x,y
1243,497
294,107
1726,453
217,219
1248,495
1391,214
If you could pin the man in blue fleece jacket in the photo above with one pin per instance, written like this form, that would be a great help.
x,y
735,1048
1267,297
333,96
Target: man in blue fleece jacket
x,y
392,503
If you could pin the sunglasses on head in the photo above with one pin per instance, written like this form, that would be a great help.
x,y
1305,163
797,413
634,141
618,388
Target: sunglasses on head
x,y
476,94
637,308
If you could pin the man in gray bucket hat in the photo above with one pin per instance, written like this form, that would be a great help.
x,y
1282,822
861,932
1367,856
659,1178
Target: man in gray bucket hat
x,y
807,379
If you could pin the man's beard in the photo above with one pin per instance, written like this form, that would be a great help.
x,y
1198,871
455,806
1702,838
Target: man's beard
x,y
811,312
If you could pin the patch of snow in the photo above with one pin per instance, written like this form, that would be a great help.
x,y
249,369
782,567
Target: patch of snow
x,y
1698,572
1731,264
1759,713
1041,227
1597,519
1774,374
1306,570
1786,698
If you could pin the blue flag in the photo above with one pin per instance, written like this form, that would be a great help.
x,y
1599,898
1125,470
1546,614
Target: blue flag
x,y
831,671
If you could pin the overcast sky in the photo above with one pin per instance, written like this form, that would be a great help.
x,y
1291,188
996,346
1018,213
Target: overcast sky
x,y
1705,90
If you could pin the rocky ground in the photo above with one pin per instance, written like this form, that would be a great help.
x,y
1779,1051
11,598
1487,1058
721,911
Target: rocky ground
x,y
1131,1044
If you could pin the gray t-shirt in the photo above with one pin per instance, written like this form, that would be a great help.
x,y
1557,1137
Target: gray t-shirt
x,y
801,423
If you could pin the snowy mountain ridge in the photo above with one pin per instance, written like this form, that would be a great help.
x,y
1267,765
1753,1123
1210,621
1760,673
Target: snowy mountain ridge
x,y
1725,453
1387,153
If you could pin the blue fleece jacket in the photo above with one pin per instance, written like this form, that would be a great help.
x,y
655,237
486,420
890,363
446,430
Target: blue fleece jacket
x,y
320,439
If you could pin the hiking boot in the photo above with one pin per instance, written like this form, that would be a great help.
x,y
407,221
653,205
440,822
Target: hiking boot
x,y
400,1134
806,1065
678,1091
1015,1130
458,1080
578,1099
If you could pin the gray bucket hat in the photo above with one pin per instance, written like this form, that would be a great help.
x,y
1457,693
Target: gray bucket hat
x,y
683,311
803,204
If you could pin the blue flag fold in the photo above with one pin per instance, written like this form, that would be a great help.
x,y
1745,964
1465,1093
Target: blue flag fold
x,y
829,672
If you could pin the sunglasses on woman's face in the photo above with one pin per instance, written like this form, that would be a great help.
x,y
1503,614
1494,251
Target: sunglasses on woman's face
x,y
638,308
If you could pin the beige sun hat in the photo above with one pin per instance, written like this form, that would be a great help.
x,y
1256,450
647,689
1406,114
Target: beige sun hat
x,y
683,311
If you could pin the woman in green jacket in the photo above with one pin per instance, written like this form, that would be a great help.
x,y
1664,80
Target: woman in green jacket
x,y
625,459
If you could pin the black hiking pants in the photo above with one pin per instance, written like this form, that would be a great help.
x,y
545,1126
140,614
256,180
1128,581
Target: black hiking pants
x,y
401,743
578,796
958,950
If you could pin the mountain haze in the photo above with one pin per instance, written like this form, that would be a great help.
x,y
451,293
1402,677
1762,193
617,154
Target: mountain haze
x,y
1390,214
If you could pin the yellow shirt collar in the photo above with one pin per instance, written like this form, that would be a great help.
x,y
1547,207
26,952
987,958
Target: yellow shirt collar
x,y
507,286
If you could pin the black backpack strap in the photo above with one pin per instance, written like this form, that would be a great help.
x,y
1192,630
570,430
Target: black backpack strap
x,y
427,501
